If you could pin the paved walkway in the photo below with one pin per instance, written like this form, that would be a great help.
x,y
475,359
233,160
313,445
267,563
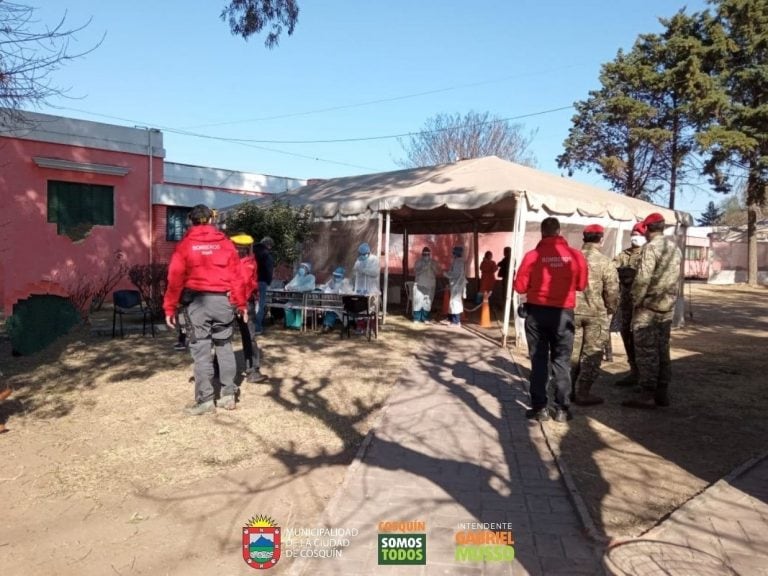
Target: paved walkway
x,y
452,448
722,531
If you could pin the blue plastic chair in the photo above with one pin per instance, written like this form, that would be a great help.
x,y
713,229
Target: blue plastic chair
x,y
128,303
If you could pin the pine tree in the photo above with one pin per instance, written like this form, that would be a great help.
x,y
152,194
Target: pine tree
x,y
638,130
711,216
737,144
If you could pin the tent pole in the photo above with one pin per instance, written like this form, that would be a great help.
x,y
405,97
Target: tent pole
x,y
517,248
386,267
406,263
476,240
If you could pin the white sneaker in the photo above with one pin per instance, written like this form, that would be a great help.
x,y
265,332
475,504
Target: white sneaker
x,y
227,402
202,408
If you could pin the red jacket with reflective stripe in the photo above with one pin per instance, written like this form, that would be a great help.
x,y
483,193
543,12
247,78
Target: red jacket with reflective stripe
x,y
551,273
207,261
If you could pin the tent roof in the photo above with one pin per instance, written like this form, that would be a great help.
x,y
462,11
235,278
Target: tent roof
x,y
468,185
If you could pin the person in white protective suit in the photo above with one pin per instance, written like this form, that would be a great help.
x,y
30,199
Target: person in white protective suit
x,y
457,282
366,271
303,281
426,271
336,285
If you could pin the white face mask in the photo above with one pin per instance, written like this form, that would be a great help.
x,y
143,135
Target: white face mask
x,y
637,240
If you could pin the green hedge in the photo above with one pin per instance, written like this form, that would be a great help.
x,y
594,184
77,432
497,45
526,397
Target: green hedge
x,y
38,321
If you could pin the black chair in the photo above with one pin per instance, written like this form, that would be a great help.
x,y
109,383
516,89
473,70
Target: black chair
x,y
128,303
359,308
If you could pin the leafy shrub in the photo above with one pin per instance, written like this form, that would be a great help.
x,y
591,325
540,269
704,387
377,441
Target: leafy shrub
x,y
289,226
151,281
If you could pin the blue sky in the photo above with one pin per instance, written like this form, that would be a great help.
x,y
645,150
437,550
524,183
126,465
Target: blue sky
x,y
352,69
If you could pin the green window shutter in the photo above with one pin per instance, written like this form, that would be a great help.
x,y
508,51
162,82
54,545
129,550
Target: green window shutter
x,y
76,207
53,202
102,205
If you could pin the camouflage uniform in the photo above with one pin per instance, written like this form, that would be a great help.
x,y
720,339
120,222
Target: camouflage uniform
x,y
627,263
654,295
594,306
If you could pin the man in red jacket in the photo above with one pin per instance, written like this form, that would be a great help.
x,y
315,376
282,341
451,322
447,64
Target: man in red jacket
x,y
204,275
549,276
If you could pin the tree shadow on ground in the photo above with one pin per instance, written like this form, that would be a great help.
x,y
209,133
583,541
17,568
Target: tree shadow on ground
x,y
509,485
714,424
44,382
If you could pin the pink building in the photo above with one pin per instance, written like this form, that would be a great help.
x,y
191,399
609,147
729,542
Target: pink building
x,y
77,194
697,252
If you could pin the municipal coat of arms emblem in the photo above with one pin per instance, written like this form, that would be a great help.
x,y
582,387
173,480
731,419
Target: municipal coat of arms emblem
x,y
261,542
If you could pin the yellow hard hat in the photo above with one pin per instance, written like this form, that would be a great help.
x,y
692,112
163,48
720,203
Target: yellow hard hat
x,y
242,239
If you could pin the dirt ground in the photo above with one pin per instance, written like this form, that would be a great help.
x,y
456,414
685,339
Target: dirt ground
x,y
103,473
634,467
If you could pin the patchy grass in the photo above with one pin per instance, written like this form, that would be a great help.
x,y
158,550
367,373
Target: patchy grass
x,y
632,466
92,415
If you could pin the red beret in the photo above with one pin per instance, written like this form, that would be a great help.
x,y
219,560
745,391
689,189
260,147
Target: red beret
x,y
653,218
639,227
594,229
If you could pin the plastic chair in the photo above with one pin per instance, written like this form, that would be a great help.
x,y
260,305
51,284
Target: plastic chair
x,y
128,303
409,297
359,308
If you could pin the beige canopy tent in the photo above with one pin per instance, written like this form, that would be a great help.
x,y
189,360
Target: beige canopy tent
x,y
470,196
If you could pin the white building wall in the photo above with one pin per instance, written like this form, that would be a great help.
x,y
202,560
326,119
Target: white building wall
x,y
219,178
84,133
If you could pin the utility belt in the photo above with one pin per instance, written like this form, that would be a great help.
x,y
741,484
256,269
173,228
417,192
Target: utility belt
x,y
188,295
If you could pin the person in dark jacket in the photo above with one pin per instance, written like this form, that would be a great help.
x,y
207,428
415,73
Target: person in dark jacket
x,y
549,276
265,268
204,276
503,271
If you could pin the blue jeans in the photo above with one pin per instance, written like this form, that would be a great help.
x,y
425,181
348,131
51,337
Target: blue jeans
x,y
259,320
550,332
329,319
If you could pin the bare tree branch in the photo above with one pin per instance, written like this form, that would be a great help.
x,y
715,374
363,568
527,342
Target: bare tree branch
x,y
29,55
448,138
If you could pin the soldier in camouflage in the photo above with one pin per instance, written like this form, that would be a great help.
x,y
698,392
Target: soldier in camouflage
x,y
654,295
594,306
627,263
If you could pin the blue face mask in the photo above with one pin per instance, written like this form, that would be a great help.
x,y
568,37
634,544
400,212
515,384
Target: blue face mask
x,y
363,257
